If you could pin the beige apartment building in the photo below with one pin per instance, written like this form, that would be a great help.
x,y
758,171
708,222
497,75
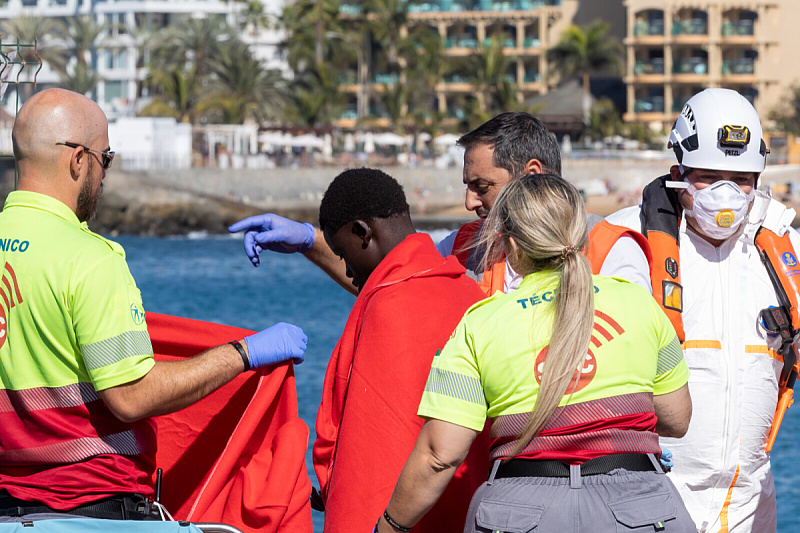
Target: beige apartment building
x,y
526,28
676,48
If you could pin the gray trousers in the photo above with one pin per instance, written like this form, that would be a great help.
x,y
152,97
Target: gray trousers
x,y
615,502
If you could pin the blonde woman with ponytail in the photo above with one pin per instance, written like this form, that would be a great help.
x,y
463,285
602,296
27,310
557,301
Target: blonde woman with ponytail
x,y
578,374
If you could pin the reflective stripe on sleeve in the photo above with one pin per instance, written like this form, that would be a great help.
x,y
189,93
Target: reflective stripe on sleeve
x,y
113,350
669,357
455,385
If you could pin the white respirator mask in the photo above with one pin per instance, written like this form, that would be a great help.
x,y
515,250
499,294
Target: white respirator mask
x,y
719,209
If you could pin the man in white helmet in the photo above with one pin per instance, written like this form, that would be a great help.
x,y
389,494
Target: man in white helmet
x,y
701,221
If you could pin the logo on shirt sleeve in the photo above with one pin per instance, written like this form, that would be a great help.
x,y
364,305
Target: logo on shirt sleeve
x,y
137,314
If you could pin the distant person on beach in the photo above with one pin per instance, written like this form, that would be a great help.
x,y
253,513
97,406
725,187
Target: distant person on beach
x,y
79,382
507,147
579,374
409,300
702,220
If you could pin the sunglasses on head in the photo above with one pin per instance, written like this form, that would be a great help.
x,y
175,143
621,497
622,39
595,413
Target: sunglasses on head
x,y
108,157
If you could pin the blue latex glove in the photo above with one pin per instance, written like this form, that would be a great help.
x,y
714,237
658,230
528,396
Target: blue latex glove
x,y
666,459
276,344
273,233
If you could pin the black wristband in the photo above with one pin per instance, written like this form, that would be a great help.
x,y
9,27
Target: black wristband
x,y
241,351
392,522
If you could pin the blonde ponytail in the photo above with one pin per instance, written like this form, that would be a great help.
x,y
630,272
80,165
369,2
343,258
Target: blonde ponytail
x,y
545,218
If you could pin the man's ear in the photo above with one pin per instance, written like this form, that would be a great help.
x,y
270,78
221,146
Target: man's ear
x,y
534,166
363,231
76,162
675,173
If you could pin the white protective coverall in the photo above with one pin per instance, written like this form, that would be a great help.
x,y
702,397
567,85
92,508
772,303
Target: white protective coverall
x,y
721,467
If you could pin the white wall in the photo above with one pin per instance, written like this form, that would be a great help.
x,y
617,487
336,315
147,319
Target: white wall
x,y
145,143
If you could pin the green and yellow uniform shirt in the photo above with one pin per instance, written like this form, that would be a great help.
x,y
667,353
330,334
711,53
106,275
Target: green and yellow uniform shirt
x,y
492,364
72,324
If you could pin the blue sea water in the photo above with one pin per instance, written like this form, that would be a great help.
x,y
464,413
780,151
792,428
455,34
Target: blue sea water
x,y
209,278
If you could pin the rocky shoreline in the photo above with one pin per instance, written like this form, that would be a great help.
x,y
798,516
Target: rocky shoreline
x,y
179,202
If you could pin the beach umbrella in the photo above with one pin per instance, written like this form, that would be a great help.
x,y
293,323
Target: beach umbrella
x,y
349,143
369,143
389,139
448,139
327,148
308,141
275,139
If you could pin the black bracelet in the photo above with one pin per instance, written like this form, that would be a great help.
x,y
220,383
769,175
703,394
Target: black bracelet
x,y
392,522
241,351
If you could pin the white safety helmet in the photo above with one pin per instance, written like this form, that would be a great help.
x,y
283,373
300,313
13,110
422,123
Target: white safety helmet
x,y
719,129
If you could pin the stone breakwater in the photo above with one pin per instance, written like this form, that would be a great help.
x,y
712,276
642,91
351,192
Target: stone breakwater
x,y
174,202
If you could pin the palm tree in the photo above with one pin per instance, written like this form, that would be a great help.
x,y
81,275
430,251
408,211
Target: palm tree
x,y
388,16
28,29
581,51
81,79
787,113
240,87
177,94
306,22
191,42
81,34
180,59
489,75
423,52
315,98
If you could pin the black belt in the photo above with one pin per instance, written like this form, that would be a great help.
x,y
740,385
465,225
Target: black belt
x,y
122,507
636,462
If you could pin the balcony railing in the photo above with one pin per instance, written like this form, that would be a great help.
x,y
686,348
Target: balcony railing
x,y
435,6
508,42
690,27
457,78
350,9
461,41
733,28
531,42
649,105
738,66
692,65
347,78
533,77
385,79
643,28
654,66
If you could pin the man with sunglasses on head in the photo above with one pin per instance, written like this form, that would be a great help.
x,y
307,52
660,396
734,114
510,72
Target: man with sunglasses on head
x,y
78,383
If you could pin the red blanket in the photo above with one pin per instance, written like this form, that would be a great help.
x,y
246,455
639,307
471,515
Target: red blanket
x,y
367,424
237,456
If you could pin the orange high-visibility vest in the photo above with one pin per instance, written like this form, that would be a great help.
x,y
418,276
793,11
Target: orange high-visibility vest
x,y
602,238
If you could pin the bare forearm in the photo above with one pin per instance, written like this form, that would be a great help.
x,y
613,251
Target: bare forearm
x,y
419,487
441,447
674,412
171,386
322,256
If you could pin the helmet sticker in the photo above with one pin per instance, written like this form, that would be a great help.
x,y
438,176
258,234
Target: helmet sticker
x,y
689,114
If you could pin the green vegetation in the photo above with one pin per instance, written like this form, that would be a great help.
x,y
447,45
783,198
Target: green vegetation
x,y
787,114
361,61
